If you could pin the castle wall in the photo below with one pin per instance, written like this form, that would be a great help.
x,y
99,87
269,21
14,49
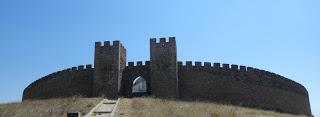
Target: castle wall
x,y
245,86
68,82
133,71
165,77
164,72
109,62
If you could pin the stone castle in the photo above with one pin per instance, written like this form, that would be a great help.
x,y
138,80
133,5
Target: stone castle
x,y
165,77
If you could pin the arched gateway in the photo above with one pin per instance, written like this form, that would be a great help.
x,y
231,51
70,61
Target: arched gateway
x,y
139,86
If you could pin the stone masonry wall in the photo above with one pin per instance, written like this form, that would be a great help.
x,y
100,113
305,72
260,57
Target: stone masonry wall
x,y
109,62
245,86
164,71
68,82
123,58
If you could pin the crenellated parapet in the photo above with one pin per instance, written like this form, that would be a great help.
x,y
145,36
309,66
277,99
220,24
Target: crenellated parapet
x,y
108,44
138,64
43,85
163,41
241,85
245,74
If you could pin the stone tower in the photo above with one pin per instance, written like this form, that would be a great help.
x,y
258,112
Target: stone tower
x,y
109,63
164,70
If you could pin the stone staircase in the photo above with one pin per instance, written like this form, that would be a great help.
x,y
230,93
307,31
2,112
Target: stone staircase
x,y
105,108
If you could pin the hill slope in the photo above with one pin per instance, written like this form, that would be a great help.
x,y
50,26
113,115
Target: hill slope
x,y
48,108
134,107
150,107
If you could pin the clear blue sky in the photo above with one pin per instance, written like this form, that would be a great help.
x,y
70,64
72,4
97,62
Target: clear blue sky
x,y
39,37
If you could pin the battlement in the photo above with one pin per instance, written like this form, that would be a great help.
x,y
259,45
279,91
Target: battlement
x,y
107,44
210,65
217,65
163,40
138,64
80,67
243,68
60,73
234,67
282,82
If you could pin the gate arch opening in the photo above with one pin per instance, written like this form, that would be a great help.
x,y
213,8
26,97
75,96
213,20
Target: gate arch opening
x,y
139,86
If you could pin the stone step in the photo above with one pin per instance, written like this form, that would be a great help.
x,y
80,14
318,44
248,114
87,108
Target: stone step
x,y
103,109
110,102
102,112
102,115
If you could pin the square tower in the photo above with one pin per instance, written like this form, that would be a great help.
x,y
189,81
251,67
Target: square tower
x,y
164,69
109,63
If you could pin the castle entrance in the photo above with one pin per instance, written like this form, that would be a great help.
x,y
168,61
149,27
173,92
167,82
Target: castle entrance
x,y
139,86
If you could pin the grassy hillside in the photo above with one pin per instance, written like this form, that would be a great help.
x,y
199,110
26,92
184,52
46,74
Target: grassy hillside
x,y
48,108
134,107
150,107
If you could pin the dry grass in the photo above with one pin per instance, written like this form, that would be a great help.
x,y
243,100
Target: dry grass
x,y
150,107
48,108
